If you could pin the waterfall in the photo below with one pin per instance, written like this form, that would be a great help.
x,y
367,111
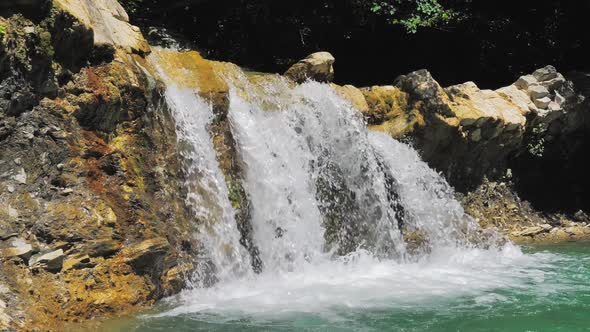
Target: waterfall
x,y
429,203
325,194
341,217
206,191
316,185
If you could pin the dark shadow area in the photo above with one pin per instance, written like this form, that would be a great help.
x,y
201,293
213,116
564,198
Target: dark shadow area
x,y
493,43
559,180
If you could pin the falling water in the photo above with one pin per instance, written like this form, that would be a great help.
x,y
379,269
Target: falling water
x,y
331,205
428,200
311,171
207,193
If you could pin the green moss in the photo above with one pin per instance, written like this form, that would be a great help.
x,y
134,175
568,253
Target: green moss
x,y
536,142
2,29
236,194
45,45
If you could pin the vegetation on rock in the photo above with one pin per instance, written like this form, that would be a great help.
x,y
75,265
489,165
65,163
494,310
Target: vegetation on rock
x,y
413,15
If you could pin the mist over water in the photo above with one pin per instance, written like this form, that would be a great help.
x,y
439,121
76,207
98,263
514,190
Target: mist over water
x,y
328,199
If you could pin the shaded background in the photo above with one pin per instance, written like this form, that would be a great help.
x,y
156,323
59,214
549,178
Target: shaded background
x,y
493,43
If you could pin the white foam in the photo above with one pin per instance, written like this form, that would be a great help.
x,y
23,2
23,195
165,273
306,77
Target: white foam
x,y
359,281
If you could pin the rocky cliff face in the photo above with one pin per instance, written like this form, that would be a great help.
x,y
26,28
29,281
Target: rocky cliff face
x,y
91,220
92,216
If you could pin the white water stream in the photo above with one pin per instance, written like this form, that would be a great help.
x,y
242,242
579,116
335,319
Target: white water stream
x,y
310,162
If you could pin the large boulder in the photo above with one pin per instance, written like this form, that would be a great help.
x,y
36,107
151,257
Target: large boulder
x,y
466,133
470,133
108,22
316,66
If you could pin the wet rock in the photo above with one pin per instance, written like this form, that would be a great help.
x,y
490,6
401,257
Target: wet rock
x,y
51,261
316,66
146,256
354,95
175,278
479,127
531,231
389,111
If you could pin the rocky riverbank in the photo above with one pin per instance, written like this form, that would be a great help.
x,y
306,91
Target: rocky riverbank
x,y
93,222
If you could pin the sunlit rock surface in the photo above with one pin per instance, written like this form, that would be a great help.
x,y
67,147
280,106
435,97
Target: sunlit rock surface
x,y
316,66
108,23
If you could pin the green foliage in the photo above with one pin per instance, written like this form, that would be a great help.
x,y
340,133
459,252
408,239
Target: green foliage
x,y
536,144
413,14
2,29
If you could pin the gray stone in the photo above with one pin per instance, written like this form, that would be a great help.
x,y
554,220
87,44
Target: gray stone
x,y
17,247
546,227
6,235
21,176
542,103
554,83
51,261
538,92
546,73
476,135
554,107
524,82
559,99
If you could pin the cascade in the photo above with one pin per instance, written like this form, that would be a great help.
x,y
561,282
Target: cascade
x,y
206,191
333,209
321,186
316,185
